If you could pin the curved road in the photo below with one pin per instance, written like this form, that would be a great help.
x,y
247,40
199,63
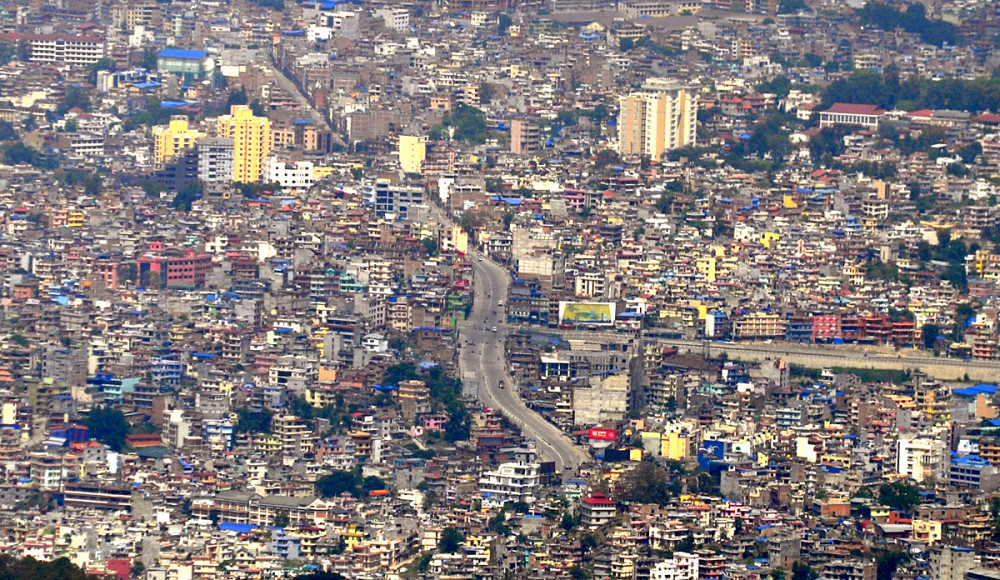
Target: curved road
x,y
482,355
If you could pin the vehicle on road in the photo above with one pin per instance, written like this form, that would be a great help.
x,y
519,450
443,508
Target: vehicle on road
x,y
480,259
494,329
501,384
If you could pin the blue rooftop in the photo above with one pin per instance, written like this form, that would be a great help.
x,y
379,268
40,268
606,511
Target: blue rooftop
x,y
182,53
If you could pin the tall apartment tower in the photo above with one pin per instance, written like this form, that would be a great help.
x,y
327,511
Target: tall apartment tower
x,y
251,137
661,116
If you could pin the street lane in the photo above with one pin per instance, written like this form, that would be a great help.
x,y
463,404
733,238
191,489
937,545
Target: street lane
x,y
485,358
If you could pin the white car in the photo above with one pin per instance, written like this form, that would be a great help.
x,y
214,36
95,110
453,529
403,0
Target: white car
x,y
494,329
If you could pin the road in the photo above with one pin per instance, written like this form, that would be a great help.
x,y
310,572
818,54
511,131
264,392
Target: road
x,y
288,85
848,356
482,355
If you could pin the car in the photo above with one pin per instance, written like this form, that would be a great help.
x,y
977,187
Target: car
x,y
494,329
501,384
480,259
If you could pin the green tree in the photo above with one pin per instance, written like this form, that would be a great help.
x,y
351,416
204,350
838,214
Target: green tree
x,y
899,495
7,132
248,421
451,540
647,483
503,23
930,332
336,483
19,153
108,426
74,97
12,568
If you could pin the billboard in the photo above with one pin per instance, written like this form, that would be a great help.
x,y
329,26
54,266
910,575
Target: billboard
x,y
602,434
602,313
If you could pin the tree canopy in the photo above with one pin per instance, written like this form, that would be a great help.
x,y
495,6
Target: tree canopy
x,y
12,568
108,426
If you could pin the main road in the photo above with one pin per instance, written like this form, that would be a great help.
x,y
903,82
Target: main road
x,y
482,360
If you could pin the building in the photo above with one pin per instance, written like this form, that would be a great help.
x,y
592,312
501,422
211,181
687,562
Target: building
x,y
52,470
973,471
597,510
951,562
412,151
525,137
920,458
510,482
291,175
174,269
172,139
851,114
661,116
64,49
215,160
251,137
395,199
847,569
682,566
186,63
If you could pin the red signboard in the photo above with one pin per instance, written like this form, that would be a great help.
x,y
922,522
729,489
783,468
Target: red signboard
x,y
603,434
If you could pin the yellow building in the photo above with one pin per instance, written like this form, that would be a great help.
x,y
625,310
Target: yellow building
x,y
674,445
251,137
927,531
659,117
170,140
412,151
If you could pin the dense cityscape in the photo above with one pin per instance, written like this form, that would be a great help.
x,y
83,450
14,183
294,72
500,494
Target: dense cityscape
x,y
434,289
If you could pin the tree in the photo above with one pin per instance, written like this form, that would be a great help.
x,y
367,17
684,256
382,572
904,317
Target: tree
x,y
108,426
248,421
568,522
12,568
899,495
451,540
320,576
647,483
191,192
148,59
803,572
578,573
372,483
19,153
430,245
930,333
503,23
74,97
336,483
7,132
281,519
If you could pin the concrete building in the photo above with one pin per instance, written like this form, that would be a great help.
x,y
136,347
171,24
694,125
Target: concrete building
x,y
215,160
251,137
65,49
186,63
510,482
291,175
394,199
604,399
682,566
597,510
412,151
920,458
661,116
525,137
174,138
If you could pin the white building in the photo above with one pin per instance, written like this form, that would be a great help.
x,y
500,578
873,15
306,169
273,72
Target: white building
x,y
682,566
510,482
395,18
292,175
65,49
920,458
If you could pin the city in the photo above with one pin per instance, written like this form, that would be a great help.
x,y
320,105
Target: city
x,y
433,289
